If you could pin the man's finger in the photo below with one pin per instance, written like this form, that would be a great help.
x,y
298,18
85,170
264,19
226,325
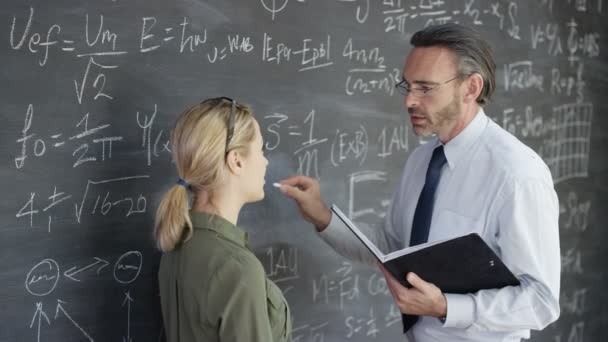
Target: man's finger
x,y
390,280
299,181
416,281
293,192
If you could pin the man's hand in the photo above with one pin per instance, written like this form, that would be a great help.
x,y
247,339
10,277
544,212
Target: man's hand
x,y
422,299
307,194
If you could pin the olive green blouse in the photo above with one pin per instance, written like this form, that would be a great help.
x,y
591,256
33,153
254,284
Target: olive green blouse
x,y
213,288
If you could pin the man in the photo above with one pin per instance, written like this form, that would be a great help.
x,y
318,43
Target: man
x,y
473,177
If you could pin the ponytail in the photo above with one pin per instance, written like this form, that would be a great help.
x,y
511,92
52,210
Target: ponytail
x,y
173,225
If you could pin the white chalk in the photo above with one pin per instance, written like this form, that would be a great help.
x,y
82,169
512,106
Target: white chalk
x,y
276,185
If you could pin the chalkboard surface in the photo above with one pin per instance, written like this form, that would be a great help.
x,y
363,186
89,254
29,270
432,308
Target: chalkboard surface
x,y
91,89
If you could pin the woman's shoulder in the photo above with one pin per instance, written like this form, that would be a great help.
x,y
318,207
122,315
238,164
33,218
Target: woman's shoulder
x,y
223,256
244,264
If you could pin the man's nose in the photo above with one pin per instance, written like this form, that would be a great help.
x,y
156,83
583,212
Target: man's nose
x,y
410,100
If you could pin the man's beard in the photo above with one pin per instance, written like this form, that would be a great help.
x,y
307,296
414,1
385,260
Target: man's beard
x,y
447,114
439,119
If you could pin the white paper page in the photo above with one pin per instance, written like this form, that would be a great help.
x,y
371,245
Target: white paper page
x,y
408,250
358,233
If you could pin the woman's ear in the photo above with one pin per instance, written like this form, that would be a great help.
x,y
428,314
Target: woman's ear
x,y
234,162
474,86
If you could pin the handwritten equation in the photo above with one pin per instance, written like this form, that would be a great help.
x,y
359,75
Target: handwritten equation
x,y
322,80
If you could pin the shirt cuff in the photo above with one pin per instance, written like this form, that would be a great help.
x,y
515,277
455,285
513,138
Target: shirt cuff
x,y
332,231
461,311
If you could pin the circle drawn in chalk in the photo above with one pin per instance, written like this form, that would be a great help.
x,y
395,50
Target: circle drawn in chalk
x,y
128,267
42,278
272,8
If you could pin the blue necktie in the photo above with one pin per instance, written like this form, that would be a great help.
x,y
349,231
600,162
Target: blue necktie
x,y
426,201
424,213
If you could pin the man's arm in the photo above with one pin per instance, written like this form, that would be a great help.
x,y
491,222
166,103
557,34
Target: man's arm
x,y
528,237
306,193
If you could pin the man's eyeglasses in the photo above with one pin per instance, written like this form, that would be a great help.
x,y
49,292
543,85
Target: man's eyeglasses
x,y
419,91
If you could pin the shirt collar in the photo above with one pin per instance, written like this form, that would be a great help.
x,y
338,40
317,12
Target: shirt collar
x,y
456,148
203,220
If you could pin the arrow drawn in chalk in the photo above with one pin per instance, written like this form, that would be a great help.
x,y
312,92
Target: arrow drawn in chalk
x,y
40,314
65,313
100,263
128,300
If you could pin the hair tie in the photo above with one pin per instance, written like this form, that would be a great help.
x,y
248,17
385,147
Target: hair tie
x,y
183,183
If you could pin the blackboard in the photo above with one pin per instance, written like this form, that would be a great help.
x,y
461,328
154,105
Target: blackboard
x,y
91,90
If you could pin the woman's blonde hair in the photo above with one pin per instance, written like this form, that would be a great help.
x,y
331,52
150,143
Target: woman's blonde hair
x,y
199,146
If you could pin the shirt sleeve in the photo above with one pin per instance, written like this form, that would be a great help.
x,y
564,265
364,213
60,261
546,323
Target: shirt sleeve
x,y
237,301
528,242
343,241
387,238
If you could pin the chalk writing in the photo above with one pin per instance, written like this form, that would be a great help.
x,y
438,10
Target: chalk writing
x,y
520,75
152,149
309,332
362,10
128,300
365,177
134,207
568,85
128,267
81,152
42,278
574,213
99,87
73,272
274,6
346,287
188,40
393,139
547,34
571,262
308,152
362,325
573,302
282,264
345,146
100,81
64,312
40,314
578,44
312,55
566,152
576,334
36,39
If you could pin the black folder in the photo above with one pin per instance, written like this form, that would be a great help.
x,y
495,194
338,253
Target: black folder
x,y
464,264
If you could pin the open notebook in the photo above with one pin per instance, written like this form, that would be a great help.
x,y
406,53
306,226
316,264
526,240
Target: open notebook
x,y
462,264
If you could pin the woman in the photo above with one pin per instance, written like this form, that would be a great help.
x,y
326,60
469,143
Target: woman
x,y
212,287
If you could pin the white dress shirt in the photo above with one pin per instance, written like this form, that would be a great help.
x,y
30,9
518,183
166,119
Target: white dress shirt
x,y
494,185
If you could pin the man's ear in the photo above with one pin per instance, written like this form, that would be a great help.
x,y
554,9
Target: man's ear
x,y
234,161
474,86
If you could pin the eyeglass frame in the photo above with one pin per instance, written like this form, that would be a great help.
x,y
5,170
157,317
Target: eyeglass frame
x,y
404,88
